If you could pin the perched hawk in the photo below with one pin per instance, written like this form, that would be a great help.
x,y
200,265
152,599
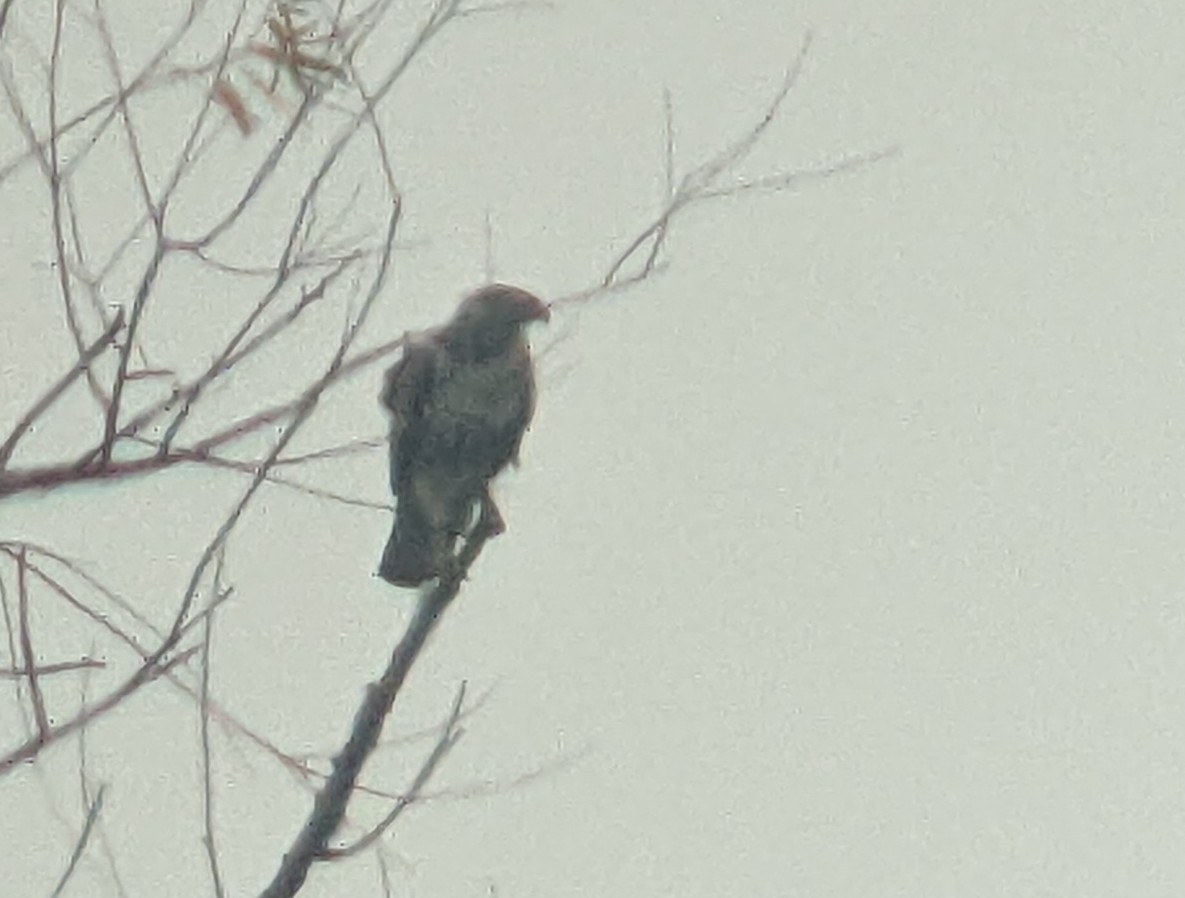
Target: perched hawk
x,y
460,398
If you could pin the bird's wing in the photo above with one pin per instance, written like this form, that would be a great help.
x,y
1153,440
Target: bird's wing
x,y
407,390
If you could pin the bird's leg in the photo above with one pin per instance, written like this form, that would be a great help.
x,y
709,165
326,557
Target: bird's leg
x,y
489,524
449,569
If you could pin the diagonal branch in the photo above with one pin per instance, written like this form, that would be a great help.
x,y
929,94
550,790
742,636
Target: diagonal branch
x,y
30,658
449,736
92,815
53,393
641,259
329,807
32,747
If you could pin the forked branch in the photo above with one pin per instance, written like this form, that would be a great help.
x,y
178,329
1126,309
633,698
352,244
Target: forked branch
x,y
329,806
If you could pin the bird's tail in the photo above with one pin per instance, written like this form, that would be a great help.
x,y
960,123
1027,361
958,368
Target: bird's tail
x,y
415,552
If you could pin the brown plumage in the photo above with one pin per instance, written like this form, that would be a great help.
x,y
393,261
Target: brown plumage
x,y
460,399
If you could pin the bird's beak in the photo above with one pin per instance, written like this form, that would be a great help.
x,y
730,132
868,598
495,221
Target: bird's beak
x,y
527,307
537,309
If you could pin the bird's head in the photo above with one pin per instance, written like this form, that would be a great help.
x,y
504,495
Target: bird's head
x,y
502,304
489,318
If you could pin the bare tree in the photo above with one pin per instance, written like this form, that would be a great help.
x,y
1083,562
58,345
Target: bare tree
x,y
277,193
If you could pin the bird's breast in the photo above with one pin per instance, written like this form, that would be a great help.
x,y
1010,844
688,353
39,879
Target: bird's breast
x,y
488,395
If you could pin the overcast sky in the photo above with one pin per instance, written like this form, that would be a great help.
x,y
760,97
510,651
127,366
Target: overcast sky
x,y
844,558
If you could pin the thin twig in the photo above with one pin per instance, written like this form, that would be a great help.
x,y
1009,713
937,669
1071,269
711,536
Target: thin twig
x,y
104,620
92,814
85,792
44,670
303,410
156,211
147,77
139,304
32,747
52,166
53,393
449,736
643,254
30,658
208,837
9,632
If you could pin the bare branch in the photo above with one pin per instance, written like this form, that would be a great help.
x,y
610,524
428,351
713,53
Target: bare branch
x,y
450,734
728,159
785,180
434,730
644,251
49,477
329,806
156,212
52,166
9,632
105,621
148,76
32,747
143,292
44,670
125,117
92,814
30,657
279,480
152,663
151,669
53,393
204,720
85,793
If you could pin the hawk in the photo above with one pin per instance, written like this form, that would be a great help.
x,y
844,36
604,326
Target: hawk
x,y
460,399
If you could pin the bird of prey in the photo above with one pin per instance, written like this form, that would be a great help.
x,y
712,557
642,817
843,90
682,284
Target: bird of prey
x,y
460,398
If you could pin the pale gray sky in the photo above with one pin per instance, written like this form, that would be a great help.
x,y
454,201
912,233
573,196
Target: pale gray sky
x,y
844,559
